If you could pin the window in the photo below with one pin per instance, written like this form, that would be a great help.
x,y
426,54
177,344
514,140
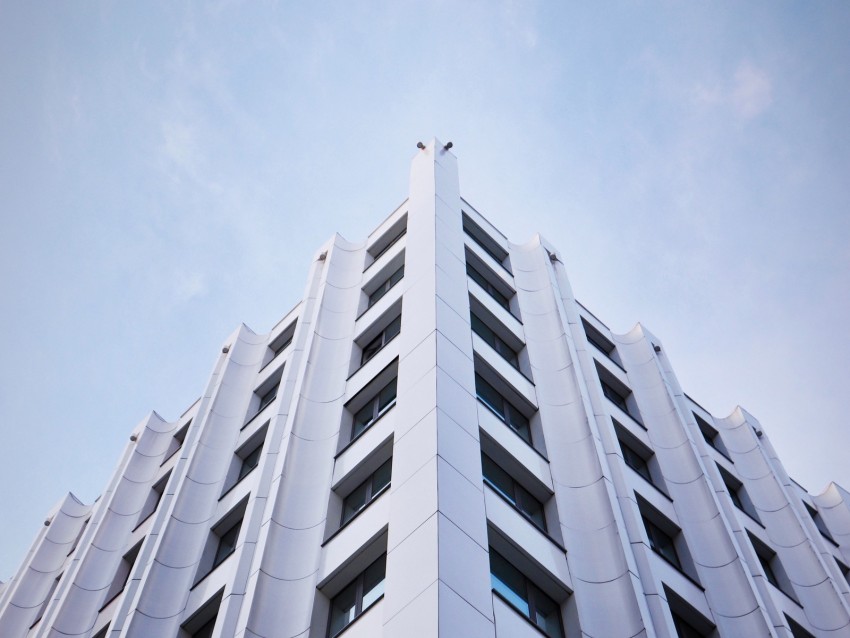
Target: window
x,y
600,342
245,459
774,572
282,341
385,287
518,591
268,397
382,249
711,436
177,441
363,592
202,622
102,633
119,581
797,630
375,345
222,540
494,341
502,408
366,492
689,623
738,494
635,461
516,494
485,241
819,523
154,497
662,543
374,409
489,288
614,397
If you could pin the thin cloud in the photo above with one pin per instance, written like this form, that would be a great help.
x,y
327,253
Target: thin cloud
x,y
748,94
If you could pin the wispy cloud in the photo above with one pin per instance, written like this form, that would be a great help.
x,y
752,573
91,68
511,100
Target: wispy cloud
x,y
748,93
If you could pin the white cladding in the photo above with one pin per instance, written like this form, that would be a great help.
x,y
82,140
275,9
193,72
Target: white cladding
x,y
659,519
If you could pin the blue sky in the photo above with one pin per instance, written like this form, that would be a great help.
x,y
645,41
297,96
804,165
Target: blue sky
x,y
168,169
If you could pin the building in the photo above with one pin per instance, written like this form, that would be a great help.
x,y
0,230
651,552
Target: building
x,y
439,440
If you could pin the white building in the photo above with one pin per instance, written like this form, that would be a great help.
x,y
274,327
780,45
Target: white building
x,y
439,440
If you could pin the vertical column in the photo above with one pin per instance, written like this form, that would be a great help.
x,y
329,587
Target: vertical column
x,y
437,559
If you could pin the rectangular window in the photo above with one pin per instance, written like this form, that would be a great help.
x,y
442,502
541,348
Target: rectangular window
x,y
222,540
524,596
366,492
385,287
502,408
662,543
374,409
375,345
267,398
358,596
600,342
489,288
392,242
636,461
487,243
516,494
154,497
689,623
119,581
494,341
614,397
797,630
819,523
177,441
772,567
738,494
710,435
282,341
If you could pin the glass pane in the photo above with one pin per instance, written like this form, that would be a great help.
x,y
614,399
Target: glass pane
x,y
508,582
531,507
250,462
380,292
372,348
268,397
520,424
355,501
373,582
488,394
547,614
363,418
226,544
476,276
387,395
498,478
396,277
499,297
393,329
636,462
661,543
482,330
343,608
381,477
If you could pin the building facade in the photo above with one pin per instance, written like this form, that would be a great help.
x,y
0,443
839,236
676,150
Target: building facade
x,y
439,440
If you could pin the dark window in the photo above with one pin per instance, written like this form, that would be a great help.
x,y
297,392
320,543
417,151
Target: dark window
x,y
636,461
503,408
738,494
384,288
177,441
525,596
268,397
389,245
366,492
819,522
772,567
662,543
480,237
503,483
710,435
153,499
494,341
796,629
205,630
685,629
599,341
122,574
358,596
374,409
249,462
614,397
226,543
491,290
387,334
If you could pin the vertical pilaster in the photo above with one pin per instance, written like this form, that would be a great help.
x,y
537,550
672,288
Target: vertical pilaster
x,y
437,560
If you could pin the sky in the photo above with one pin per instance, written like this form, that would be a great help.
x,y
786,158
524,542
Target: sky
x,y
168,169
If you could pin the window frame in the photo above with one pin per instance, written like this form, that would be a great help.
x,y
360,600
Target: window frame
x,y
359,583
371,493
374,407
492,339
383,338
504,411
384,287
492,290
532,595
516,494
